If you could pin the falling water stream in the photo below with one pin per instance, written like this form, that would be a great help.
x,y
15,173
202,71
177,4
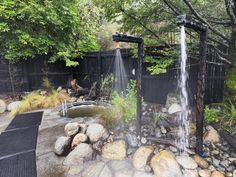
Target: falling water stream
x,y
121,80
183,116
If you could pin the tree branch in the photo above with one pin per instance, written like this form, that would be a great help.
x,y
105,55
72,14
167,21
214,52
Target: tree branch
x,y
196,14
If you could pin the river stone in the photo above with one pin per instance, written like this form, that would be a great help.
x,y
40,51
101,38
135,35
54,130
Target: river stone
x,y
234,173
211,136
165,165
204,173
81,153
141,156
201,162
217,174
96,131
174,108
115,150
132,140
142,174
62,145
13,105
83,128
186,162
74,171
71,129
3,106
97,169
190,173
171,98
79,138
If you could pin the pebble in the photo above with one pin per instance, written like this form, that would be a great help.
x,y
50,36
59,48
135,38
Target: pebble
x,y
143,140
163,130
173,149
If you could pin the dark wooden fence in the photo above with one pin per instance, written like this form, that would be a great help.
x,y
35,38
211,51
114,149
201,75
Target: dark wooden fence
x,y
94,66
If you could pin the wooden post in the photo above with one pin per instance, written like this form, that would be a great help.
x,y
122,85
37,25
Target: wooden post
x,y
201,92
139,88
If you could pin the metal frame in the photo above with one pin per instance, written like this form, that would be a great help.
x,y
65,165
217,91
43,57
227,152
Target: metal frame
x,y
192,23
132,39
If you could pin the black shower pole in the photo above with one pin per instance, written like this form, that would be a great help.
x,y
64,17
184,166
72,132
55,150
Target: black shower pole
x,y
192,23
132,39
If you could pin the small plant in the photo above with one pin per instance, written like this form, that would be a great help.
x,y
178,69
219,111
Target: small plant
x,y
47,85
211,115
125,104
229,113
107,86
34,101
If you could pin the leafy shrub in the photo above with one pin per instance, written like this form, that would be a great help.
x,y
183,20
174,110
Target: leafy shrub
x,y
211,115
125,104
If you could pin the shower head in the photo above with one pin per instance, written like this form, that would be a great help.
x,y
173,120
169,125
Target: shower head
x,y
126,38
190,22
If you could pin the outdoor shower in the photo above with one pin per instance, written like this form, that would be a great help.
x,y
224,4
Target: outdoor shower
x,y
137,40
190,22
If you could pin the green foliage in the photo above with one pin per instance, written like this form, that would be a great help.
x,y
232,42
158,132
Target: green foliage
x,y
229,113
211,115
47,85
107,86
61,29
231,84
125,104
34,100
162,62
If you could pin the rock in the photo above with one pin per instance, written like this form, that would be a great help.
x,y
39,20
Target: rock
x,y
75,171
190,173
216,162
141,156
98,146
201,162
43,92
217,174
225,163
81,153
211,136
59,88
97,169
62,145
174,108
158,132
204,173
173,149
73,99
13,105
163,130
143,140
171,98
79,138
186,162
132,140
234,173
121,168
165,165
115,150
142,174
3,106
96,131
71,129
83,128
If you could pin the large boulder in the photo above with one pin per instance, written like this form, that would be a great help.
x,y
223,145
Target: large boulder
x,y
3,106
141,156
81,153
211,135
165,165
174,108
79,138
190,173
71,129
186,162
13,105
115,150
62,145
96,132
200,161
